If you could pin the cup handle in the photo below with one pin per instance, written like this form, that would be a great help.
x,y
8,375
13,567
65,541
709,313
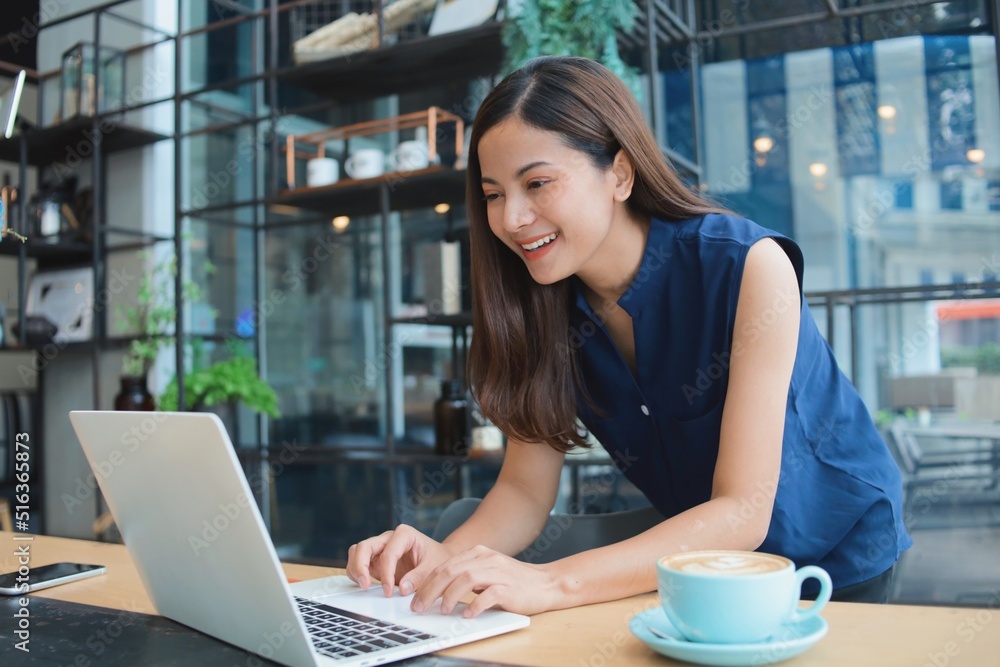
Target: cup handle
x,y
349,166
825,590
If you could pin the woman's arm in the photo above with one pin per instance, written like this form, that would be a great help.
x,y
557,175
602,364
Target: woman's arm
x,y
746,475
737,516
514,511
508,520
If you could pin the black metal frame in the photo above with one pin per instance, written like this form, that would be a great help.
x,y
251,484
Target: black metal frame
x,y
665,22
673,23
99,247
852,299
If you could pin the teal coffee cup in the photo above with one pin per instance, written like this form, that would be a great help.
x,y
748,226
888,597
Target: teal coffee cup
x,y
735,597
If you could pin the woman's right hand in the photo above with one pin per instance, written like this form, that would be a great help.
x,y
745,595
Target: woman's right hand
x,y
405,555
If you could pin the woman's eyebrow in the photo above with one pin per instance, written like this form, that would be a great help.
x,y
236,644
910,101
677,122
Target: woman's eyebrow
x,y
521,171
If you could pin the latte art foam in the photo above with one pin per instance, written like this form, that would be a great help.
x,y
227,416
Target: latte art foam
x,y
725,563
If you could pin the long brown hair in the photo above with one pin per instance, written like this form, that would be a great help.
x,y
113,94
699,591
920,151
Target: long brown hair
x,y
522,369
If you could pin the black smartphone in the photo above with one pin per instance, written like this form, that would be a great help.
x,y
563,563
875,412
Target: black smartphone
x,y
46,576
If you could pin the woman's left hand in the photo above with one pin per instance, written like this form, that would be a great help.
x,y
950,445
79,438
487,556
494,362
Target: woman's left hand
x,y
499,580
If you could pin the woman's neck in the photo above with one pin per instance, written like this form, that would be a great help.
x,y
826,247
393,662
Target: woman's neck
x,y
617,261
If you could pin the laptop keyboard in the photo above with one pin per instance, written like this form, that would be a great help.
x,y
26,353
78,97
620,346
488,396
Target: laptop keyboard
x,y
339,633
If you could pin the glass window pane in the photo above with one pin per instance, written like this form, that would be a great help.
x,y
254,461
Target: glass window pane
x,y
323,316
318,510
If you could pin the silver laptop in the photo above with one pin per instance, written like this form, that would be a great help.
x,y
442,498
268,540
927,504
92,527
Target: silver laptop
x,y
187,516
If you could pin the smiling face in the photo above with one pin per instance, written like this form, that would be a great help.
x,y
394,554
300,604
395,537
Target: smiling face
x,y
551,205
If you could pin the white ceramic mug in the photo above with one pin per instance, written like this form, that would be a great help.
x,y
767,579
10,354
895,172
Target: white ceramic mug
x,y
365,163
409,156
322,171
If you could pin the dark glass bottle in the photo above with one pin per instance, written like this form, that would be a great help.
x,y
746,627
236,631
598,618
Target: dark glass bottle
x,y
451,427
134,395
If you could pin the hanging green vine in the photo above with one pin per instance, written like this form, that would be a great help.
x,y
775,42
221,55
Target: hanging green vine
x,y
586,28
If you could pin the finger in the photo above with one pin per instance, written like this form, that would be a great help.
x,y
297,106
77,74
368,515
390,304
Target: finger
x,y
401,542
415,578
463,584
352,563
489,598
438,580
360,557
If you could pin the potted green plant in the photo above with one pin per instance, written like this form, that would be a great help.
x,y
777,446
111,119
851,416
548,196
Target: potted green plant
x,y
207,385
233,380
152,320
221,386
586,28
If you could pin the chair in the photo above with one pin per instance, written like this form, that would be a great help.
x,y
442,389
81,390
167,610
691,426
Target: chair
x,y
563,534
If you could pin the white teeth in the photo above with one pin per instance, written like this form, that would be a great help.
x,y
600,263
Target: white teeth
x,y
540,242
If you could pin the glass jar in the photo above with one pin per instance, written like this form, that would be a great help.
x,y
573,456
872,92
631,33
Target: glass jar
x,y
79,94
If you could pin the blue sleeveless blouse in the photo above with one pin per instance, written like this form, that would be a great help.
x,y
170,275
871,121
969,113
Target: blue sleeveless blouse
x,y
839,494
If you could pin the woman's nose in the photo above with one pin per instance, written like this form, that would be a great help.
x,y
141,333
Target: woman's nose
x,y
517,213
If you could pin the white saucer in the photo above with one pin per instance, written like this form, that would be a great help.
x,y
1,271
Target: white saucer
x,y
790,640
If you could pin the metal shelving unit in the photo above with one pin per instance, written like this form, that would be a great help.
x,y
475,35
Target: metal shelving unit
x,y
386,69
94,137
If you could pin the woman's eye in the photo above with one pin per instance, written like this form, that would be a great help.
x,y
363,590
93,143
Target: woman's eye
x,y
534,185
490,197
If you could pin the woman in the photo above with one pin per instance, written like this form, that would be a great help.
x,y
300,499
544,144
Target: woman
x,y
675,331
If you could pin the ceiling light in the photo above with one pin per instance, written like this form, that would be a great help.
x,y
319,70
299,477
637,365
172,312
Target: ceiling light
x,y
763,144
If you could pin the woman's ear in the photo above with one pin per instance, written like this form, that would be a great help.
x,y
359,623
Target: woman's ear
x,y
624,173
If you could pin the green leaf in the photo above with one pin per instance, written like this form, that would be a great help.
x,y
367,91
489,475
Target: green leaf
x,y
586,28
235,379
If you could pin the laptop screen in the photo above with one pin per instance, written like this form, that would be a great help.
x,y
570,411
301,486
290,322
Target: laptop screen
x,y
10,98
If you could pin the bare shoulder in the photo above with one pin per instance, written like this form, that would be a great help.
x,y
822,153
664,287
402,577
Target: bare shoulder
x,y
769,272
